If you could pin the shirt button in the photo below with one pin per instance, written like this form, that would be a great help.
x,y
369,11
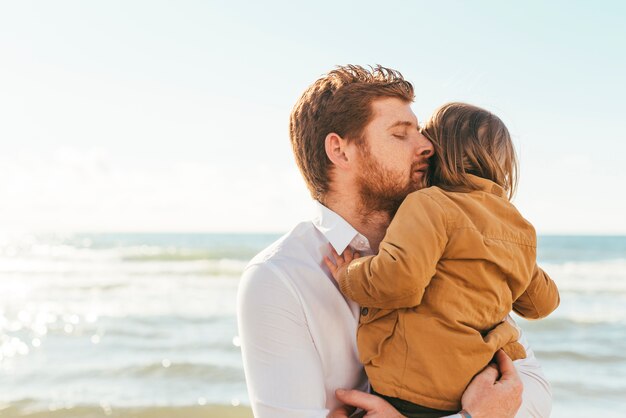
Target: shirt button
x,y
364,311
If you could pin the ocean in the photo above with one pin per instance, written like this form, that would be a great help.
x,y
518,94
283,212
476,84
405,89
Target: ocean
x,y
144,325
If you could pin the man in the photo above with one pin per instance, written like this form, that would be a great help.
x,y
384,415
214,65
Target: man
x,y
358,145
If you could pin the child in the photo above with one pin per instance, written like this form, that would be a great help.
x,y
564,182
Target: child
x,y
456,258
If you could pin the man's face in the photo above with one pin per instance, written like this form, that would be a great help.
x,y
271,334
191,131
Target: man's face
x,y
393,158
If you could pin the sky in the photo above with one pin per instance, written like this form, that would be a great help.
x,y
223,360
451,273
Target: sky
x,y
163,116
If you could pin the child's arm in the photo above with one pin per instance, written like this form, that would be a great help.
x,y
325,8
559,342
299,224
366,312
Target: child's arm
x,y
540,298
405,264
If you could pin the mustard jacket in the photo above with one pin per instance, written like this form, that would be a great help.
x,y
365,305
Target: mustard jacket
x,y
451,266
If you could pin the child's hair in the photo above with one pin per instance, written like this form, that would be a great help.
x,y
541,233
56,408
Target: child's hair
x,y
470,140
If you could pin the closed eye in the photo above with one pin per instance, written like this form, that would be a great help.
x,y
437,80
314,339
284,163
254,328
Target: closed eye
x,y
399,136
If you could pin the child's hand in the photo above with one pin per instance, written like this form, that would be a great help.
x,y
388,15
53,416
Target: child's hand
x,y
340,265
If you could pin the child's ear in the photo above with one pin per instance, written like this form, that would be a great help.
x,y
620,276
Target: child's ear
x,y
336,150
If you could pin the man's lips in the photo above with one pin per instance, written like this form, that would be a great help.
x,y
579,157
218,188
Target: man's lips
x,y
421,169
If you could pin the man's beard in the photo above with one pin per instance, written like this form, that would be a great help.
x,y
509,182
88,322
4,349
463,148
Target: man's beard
x,y
381,190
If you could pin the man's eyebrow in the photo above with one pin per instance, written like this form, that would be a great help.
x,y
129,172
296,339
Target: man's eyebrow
x,y
402,123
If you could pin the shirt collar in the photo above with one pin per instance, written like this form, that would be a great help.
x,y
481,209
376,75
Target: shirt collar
x,y
338,231
487,185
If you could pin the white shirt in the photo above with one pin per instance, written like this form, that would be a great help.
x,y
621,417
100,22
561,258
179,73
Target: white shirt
x,y
298,332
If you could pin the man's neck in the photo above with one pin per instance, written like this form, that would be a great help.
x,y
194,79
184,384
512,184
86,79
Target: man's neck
x,y
371,224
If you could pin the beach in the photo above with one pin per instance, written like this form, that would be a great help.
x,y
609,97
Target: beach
x,y
144,325
221,411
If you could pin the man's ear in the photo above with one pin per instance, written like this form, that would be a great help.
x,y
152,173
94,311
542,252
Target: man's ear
x,y
336,150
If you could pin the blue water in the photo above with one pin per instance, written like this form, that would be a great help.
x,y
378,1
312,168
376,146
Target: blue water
x,y
561,249
136,320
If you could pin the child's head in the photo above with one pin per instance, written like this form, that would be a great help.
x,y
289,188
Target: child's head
x,y
470,140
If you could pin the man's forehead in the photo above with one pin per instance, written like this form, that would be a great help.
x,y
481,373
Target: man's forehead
x,y
393,111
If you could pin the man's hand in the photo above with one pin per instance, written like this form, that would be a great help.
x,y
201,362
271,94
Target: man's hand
x,y
372,405
490,397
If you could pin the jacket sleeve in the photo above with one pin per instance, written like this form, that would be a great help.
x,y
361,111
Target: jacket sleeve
x,y
407,258
540,298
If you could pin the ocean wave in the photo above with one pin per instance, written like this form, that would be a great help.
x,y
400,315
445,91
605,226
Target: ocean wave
x,y
166,369
160,247
579,357
160,254
572,319
228,267
135,259
589,276
574,390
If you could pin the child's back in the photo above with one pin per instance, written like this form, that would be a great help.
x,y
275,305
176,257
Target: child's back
x,y
448,271
455,260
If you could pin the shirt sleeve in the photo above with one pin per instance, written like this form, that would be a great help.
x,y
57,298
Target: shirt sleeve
x,y
537,394
540,298
406,262
282,367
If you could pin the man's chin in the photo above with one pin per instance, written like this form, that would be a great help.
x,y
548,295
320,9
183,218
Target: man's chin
x,y
387,200
380,193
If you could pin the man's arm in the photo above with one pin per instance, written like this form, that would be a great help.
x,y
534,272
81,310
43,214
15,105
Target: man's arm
x,y
283,370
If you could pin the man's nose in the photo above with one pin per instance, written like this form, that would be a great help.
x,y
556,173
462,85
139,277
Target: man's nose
x,y
425,147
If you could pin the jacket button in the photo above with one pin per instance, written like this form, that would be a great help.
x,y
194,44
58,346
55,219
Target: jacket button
x,y
364,311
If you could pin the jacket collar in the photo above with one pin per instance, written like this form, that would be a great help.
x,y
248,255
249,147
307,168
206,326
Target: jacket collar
x,y
487,185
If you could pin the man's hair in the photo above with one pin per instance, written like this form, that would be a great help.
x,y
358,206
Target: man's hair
x,y
470,140
339,102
